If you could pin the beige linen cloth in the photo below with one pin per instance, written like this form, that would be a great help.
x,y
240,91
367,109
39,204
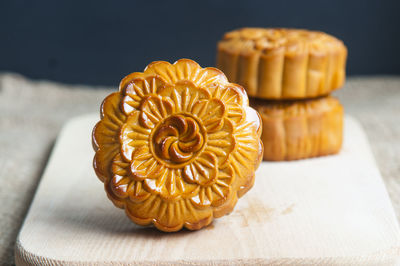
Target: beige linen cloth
x,y
32,113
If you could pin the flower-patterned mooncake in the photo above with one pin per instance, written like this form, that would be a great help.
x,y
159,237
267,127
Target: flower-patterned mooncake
x,y
177,145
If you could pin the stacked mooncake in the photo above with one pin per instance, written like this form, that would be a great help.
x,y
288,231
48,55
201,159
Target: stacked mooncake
x,y
289,74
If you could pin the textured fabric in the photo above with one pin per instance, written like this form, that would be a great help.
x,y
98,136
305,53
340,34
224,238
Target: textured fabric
x,y
32,113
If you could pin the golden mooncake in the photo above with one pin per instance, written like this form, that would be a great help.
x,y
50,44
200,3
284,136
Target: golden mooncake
x,y
177,145
300,129
283,63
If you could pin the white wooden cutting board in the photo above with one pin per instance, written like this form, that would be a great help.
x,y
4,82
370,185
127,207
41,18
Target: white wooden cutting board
x,y
331,210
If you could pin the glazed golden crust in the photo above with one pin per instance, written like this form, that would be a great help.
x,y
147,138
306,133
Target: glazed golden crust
x,y
300,129
283,63
177,145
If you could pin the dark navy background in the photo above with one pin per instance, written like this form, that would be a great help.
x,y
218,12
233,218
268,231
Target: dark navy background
x,y
98,42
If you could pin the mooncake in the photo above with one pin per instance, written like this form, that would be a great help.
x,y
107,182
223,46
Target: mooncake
x,y
177,145
283,63
300,129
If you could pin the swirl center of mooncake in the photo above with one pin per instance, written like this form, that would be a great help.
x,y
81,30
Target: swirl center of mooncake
x,y
178,139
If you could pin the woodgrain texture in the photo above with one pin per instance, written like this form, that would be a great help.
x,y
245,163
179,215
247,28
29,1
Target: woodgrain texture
x,y
329,210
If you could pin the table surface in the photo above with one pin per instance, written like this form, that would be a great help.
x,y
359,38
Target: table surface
x,y
332,210
32,113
